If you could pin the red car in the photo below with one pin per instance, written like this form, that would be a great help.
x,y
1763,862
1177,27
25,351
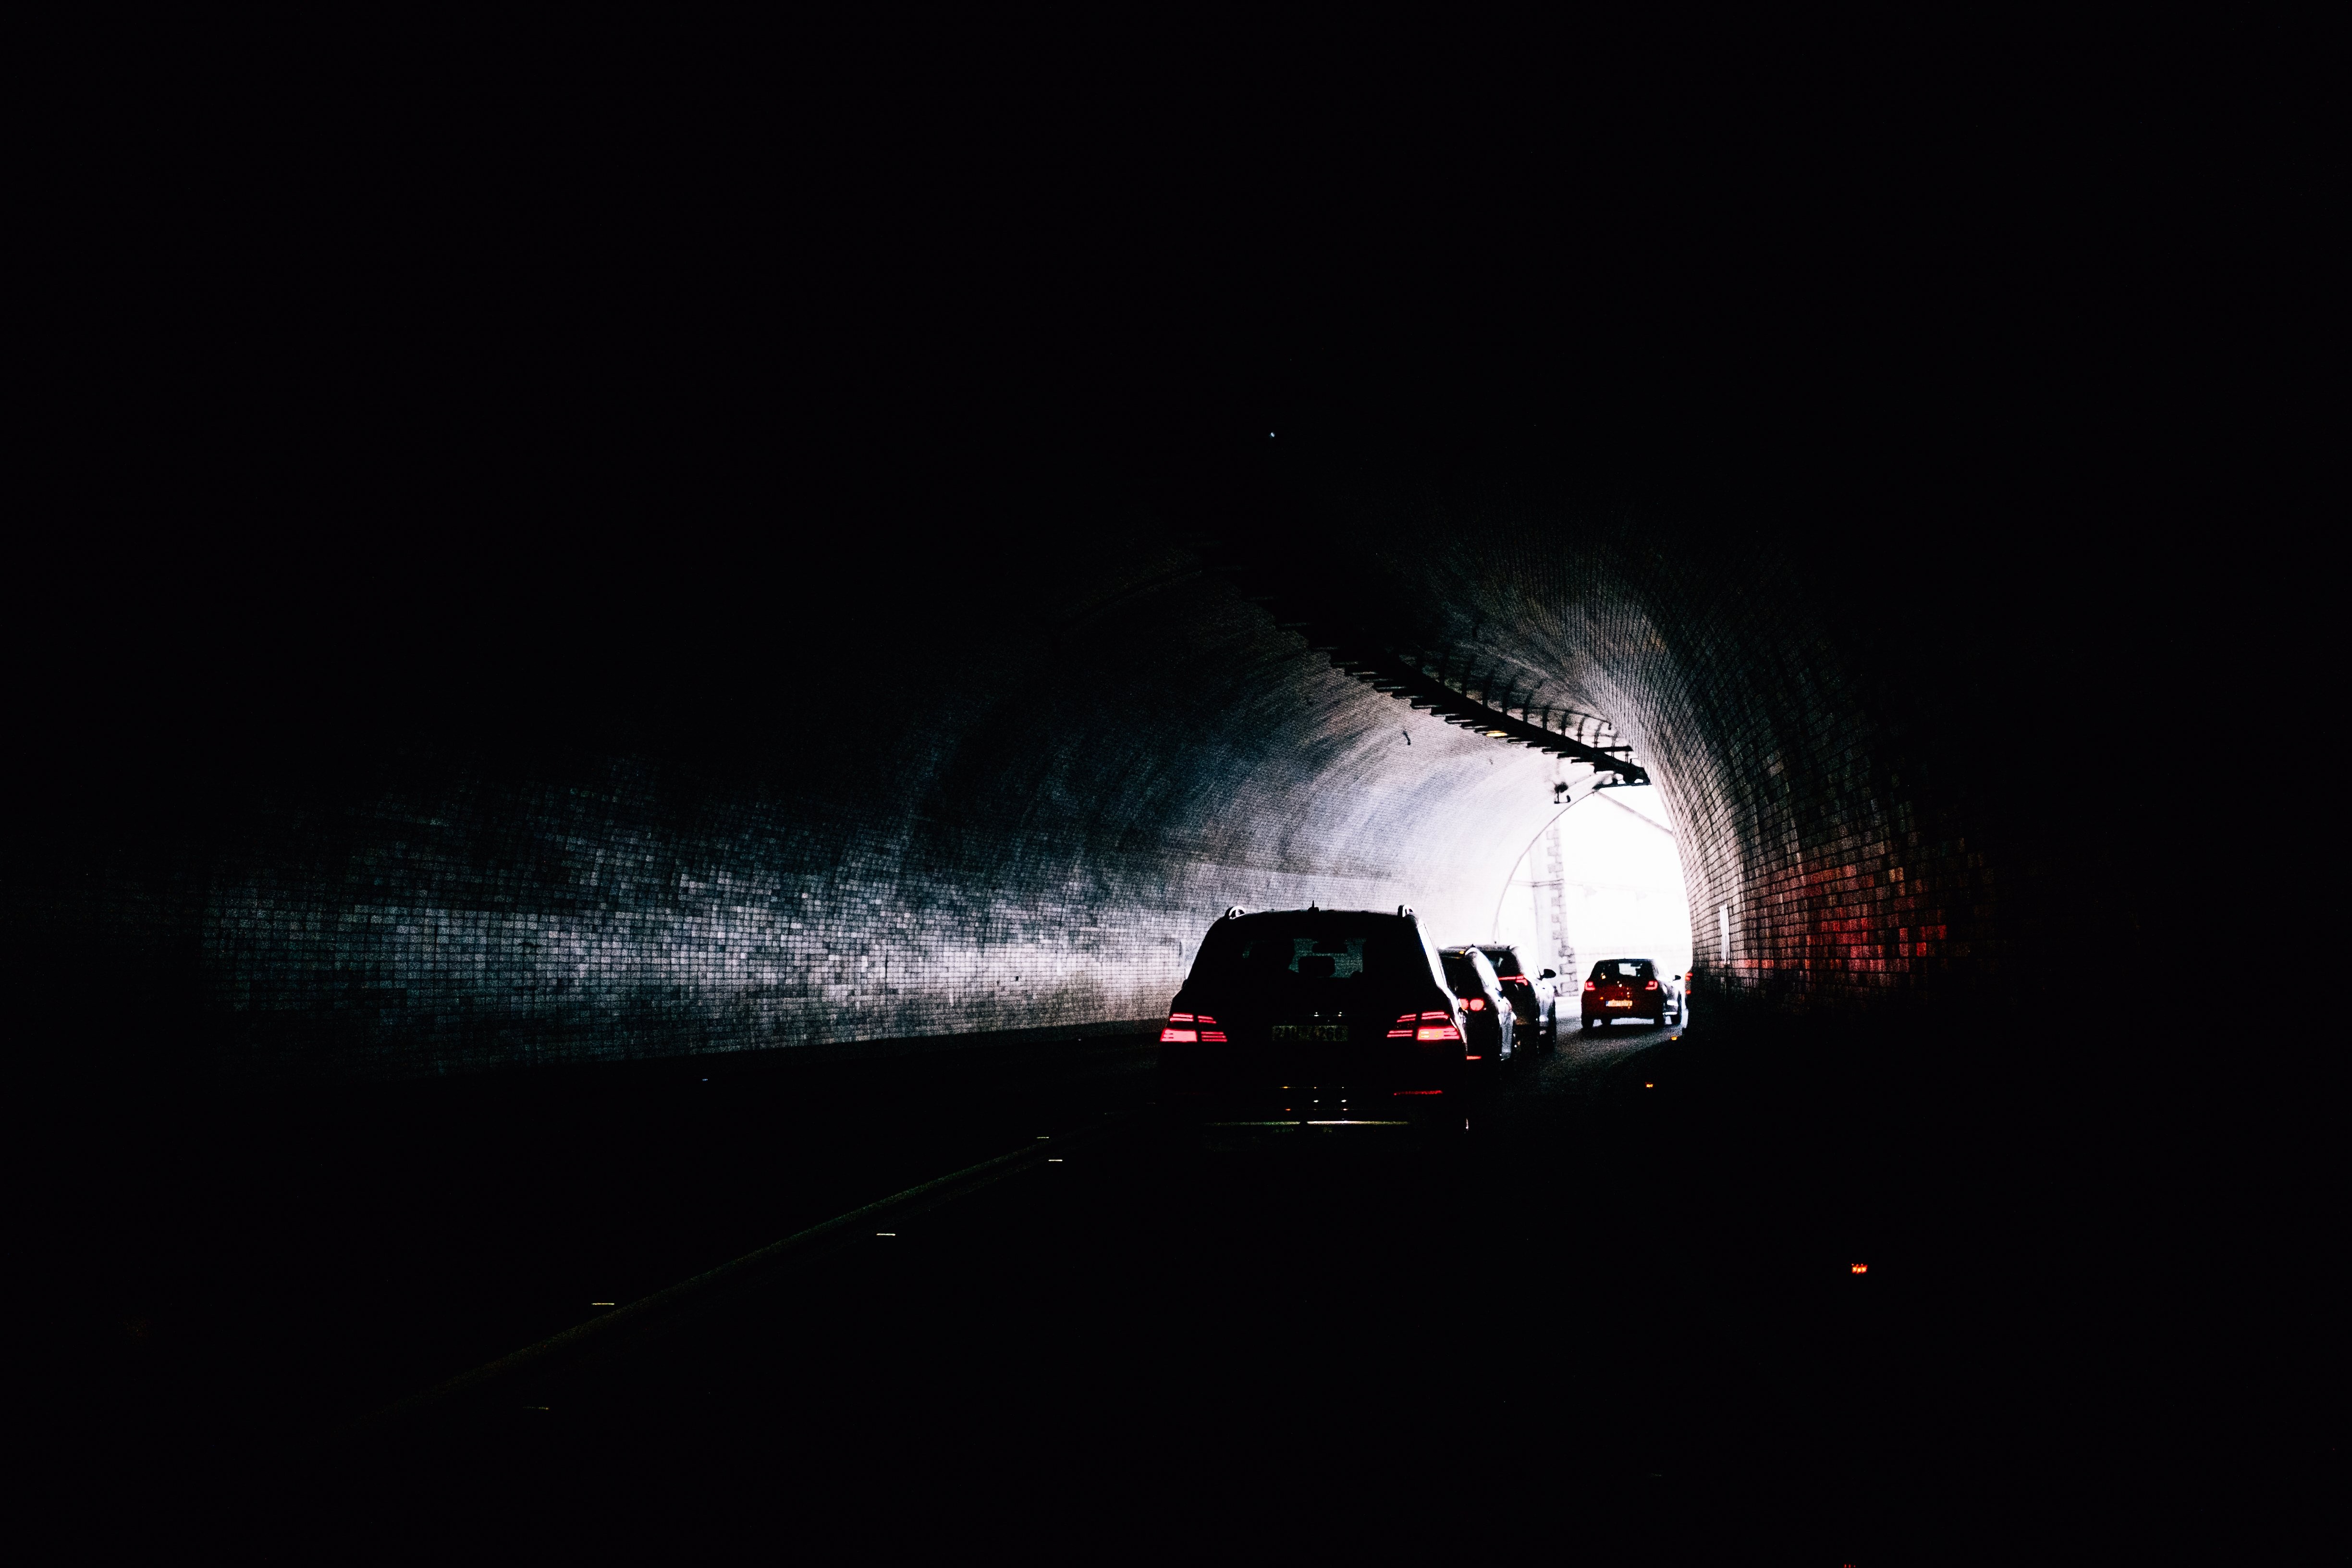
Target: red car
x,y
1630,988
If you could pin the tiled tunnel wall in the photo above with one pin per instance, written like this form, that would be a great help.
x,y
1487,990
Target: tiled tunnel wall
x,y
1039,842
1038,849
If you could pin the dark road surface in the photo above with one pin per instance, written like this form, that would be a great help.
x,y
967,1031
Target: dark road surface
x,y
1337,1329
1622,1310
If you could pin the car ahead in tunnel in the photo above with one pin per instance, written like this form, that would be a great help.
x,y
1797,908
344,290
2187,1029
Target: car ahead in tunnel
x,y
1533,997
1323,1017
1630,988
1492,1027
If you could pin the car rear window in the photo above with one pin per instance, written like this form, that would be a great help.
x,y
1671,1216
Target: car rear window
x,y
1467,970
1306,951
1624,968
1504,961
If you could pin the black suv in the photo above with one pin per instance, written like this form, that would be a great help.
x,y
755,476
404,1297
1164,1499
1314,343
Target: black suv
x,y
1533,997
1322,1016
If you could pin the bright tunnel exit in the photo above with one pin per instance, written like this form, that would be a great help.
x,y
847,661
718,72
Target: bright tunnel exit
x,y
1603,880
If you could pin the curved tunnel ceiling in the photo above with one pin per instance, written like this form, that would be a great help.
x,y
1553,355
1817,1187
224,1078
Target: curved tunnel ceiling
x,y
1013,796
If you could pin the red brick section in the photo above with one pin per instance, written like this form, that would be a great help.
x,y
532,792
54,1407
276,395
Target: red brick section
x,y
1857,866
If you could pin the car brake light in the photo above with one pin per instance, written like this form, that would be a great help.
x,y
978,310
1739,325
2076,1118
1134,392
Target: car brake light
x,y
1476,1004
1175,1035
1653,985
1210,1033
1591,986
1429,1028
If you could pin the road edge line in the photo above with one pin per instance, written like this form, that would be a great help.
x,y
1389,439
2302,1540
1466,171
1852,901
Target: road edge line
x,y
647,1306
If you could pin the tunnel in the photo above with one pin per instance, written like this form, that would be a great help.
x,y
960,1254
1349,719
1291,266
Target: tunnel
x,y
1012,803
571,904
597,828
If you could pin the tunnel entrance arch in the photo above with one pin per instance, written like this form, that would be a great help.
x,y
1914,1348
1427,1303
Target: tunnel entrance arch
x,y
1602,879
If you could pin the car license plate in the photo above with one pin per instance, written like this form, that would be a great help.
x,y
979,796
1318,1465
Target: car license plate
x,y
1621,1003
1310,1031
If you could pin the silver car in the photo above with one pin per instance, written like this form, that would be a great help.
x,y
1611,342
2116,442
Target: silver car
x,y
1533,997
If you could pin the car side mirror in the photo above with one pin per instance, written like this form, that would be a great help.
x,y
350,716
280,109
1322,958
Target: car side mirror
x,y
1549,974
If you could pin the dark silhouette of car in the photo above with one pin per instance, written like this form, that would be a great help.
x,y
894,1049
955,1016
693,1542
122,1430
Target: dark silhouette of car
x,y
1630,988
1321,1017
1533,997
1493,1026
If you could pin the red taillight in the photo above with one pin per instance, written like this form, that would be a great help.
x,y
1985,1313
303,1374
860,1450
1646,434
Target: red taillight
x,y
1174,1035
1425,1027
1653,985
1591,986
1400,1094
1210,1033
1515,980
1476,1004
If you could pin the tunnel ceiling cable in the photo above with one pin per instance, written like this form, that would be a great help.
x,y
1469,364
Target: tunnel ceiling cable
x,y
1643,817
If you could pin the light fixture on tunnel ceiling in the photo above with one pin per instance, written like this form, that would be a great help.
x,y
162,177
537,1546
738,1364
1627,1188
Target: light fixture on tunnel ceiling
x,y
1458,686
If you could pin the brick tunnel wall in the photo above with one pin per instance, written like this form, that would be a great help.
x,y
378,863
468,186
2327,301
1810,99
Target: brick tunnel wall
x,y
488,639
1818,703
1020,818
1036,846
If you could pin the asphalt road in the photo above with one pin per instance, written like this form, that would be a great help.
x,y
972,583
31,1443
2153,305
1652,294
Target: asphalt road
x,y
255,1268
1586,1319
1667,1299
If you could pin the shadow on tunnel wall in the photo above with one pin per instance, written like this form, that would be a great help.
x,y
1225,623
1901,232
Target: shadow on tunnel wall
x,y
519,795
438,684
